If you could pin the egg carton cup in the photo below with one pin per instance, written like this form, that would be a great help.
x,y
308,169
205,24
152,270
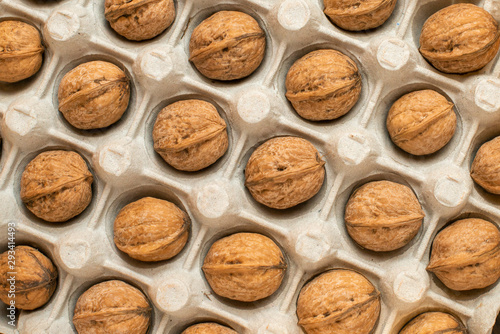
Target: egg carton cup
x,y
356,147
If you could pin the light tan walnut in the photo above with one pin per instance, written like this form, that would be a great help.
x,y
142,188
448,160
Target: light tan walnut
x,y
485,169
434,323
208,328
357,15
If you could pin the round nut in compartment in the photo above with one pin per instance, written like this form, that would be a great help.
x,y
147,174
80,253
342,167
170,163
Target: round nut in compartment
x,y
383,216
94,95
284,172
421,122
21,51
112,307
139,20
466,255
208,328
485,169
229,45
244,267
151,229
323,85
56,185
434,322
190,135
460,38
35,278
355,15
339,301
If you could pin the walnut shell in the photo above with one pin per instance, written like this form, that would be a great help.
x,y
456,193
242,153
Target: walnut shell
x,y
383,216
21,51
112,307
485,169
338,301
35,278
190,135
466,255
151,229
94,95
434,323
357,15
460,38
323,85
56,185
228,45
421,122
284,172
138,20
245,267
208,328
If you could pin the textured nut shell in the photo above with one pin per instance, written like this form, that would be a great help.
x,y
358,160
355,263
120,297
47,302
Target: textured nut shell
x,y
21,51
460,38
421,122
56,185
36,278
94,95
228,45
139,20
151,229
323,85
208,328
383,216
434,323
356,15
338,302
244,266
284,172
112,307
190,135
486,166
466,255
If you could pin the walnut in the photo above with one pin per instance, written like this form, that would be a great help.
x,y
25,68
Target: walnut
x,y
190,135
357,15
112,307
151,229
421,122
460,38
21,51
485,169
228,45
323,85
94,95
338,301
466,255
139,20
56,185
284,172
245,267
35,278
383,216
208,328
434,323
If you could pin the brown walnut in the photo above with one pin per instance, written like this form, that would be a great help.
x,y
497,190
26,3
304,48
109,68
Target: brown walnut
x,y
112,307
485,169
139,20
190,135
56,185
94,95
434,323
421,122
151,229
245,267
21,51
466,255
460,38
323,85
357,15
228,45
338,301
208,328
35,278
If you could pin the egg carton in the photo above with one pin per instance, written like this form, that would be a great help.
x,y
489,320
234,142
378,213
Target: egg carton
x,y
356,147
